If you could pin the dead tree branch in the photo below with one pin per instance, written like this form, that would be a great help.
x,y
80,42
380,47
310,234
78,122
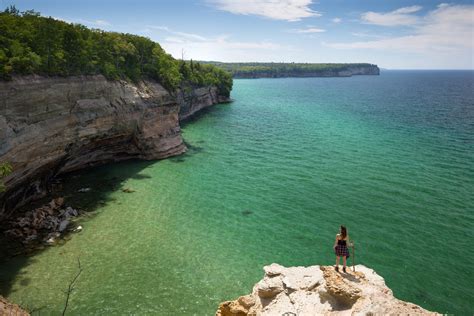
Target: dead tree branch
x,y
71,286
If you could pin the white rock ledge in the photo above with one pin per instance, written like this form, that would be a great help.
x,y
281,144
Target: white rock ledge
x,y
319,290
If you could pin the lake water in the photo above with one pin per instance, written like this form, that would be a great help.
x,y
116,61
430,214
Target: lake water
x,y
269,178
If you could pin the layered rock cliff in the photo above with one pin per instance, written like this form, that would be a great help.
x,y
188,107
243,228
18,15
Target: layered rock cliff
x,y
193,101
319,290
55,125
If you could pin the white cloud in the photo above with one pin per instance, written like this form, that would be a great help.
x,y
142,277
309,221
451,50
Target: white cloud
x,y
336,20
180,34
406,10
402,16
444,34
309,30
221,48
90,23
224,49
363,34
101,23
288,10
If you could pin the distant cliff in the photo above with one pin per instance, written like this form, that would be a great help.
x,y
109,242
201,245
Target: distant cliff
x,y
53,125
319,290
282,70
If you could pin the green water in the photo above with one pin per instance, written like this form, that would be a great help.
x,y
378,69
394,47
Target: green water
x,y
269,178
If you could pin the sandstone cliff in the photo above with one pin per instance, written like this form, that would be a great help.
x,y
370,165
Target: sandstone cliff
x,y
319,290
50,126
193,101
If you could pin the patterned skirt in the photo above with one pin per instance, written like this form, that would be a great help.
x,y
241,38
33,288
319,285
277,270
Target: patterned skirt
x,y
342,251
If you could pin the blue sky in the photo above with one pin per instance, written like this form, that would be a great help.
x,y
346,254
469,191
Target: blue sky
x,y
406,34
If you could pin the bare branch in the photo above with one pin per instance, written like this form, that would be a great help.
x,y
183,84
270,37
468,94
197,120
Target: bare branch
x,y
71,286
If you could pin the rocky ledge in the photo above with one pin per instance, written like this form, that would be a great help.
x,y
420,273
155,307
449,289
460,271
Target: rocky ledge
x,y
45,224
54,125
319,290
7,308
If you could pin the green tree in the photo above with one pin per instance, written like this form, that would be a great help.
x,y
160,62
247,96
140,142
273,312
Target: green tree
x,y
5,170
30,43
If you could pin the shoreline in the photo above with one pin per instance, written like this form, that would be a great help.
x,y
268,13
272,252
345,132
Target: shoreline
x,y
75,123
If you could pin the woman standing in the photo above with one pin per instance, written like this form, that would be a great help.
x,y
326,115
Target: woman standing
x,y
340,247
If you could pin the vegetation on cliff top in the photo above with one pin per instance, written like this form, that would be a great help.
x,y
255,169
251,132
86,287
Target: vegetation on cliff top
x,y
5,170
32,44
251,70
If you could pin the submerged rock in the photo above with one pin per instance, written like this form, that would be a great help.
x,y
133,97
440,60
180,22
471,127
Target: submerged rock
x,y
319,290
63,225
43,224
51,241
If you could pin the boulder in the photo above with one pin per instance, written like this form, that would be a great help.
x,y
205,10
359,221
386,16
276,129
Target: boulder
x,y
63,225
42,223
269,287
319,290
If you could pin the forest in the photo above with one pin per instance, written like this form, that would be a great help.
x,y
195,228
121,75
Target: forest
x,y
33,44
255,70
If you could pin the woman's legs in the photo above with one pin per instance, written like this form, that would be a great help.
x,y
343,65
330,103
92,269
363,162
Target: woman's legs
x,y
344,261
337,262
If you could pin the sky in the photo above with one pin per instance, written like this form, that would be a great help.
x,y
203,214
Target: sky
x,y
405,34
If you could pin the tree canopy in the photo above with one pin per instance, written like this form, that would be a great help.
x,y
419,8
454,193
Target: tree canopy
x,y
32,44
255,70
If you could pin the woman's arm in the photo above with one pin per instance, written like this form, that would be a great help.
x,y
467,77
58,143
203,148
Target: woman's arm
x,y
335,242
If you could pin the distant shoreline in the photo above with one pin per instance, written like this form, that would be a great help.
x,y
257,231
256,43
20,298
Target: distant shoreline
x,y
295,70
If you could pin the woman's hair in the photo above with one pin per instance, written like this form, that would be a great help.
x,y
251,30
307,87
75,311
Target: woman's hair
x,y
343,231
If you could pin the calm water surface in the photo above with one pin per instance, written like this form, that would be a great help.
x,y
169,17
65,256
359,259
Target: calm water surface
x,y
270,178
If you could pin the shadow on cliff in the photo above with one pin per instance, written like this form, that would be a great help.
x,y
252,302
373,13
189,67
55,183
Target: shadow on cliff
x,y
84,190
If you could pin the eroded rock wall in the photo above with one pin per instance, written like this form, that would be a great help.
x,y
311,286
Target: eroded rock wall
x,y
194,100
55,125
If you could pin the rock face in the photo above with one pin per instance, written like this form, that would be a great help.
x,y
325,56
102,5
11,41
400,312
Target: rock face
x,y
7,308
42,224
50,126
195,100
319,290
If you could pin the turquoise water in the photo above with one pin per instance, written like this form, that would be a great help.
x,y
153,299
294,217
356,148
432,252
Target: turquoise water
x,y
269,178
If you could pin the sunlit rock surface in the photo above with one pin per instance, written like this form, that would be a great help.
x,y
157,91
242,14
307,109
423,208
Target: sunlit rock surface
x,y
7,308
319,290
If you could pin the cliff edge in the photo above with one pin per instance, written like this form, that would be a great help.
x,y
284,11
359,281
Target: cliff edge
x,y
54,125
10,309
319,290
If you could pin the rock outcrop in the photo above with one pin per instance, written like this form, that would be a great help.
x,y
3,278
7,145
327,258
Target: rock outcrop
x,y
43,224
55,125
7,308
319,290
195,100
